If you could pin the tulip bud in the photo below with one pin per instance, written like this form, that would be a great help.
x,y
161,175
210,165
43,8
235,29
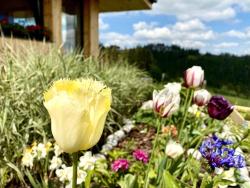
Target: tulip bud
x,y
78,110
167,101
219,108
174,149
194,77
194,153
201,97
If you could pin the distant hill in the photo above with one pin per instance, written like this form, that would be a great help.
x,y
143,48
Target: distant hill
x,y
164,63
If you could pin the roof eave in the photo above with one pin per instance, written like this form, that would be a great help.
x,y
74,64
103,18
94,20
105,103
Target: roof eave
x,y
124,5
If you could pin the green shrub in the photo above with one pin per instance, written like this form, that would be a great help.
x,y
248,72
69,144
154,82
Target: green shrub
x,y
26,74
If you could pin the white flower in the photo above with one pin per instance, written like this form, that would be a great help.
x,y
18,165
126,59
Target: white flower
x,y
58,151
195,153
244,174
147,105
65,174
203,126
193,109
174,87
174,149
41,151
55,163
87,161
226,175
218,170
28,158
120,134
81,176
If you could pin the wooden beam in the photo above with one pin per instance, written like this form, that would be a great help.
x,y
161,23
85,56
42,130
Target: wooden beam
x,y
52,12
91,28
124,5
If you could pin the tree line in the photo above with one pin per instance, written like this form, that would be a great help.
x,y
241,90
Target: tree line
x,y
225,72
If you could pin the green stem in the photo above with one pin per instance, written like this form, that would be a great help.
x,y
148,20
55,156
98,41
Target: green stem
x,y
189,98
146,181
74,177
186,98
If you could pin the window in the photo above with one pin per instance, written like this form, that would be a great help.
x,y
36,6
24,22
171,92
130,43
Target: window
x,y
22,18
71,24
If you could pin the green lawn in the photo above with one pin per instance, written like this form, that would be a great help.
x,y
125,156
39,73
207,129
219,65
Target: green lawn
x,y
231,96
237,100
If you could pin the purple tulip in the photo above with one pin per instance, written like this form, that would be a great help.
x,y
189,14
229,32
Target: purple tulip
x,y
219,108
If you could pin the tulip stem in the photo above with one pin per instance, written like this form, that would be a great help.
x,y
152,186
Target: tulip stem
x,y
74,177
158,124
189,98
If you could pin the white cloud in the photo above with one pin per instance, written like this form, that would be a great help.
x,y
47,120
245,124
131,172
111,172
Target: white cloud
x,y
103,25
207,10
236,34
245,34
192,34
187,30
245,5
144,25
194,24
226,45
190,29
113,38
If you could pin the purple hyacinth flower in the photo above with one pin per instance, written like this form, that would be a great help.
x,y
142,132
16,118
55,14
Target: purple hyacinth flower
x,y
219,108
218,153
141,155
120,164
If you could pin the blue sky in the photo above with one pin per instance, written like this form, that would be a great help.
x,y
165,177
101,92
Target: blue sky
x,y
215,26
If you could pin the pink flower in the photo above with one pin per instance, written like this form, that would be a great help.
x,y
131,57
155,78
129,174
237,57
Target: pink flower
x,y
141,155
201,97
120,164
194,77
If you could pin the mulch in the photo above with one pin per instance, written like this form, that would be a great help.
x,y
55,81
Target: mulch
x,y
141,135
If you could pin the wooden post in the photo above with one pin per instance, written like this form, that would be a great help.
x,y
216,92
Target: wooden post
x,y
52,12
91,28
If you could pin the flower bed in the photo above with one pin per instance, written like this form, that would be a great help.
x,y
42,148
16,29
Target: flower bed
x,y
184,137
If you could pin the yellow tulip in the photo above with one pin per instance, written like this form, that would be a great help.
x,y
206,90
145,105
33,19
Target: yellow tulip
x,y
78,110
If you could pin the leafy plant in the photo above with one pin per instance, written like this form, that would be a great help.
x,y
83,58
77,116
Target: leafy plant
x,y
26,74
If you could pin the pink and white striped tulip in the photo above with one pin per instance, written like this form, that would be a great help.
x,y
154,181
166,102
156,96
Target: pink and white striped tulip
x,y
167,101
201,97
194,77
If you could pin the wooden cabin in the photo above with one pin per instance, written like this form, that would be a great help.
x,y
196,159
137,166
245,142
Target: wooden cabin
x,y
71,23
